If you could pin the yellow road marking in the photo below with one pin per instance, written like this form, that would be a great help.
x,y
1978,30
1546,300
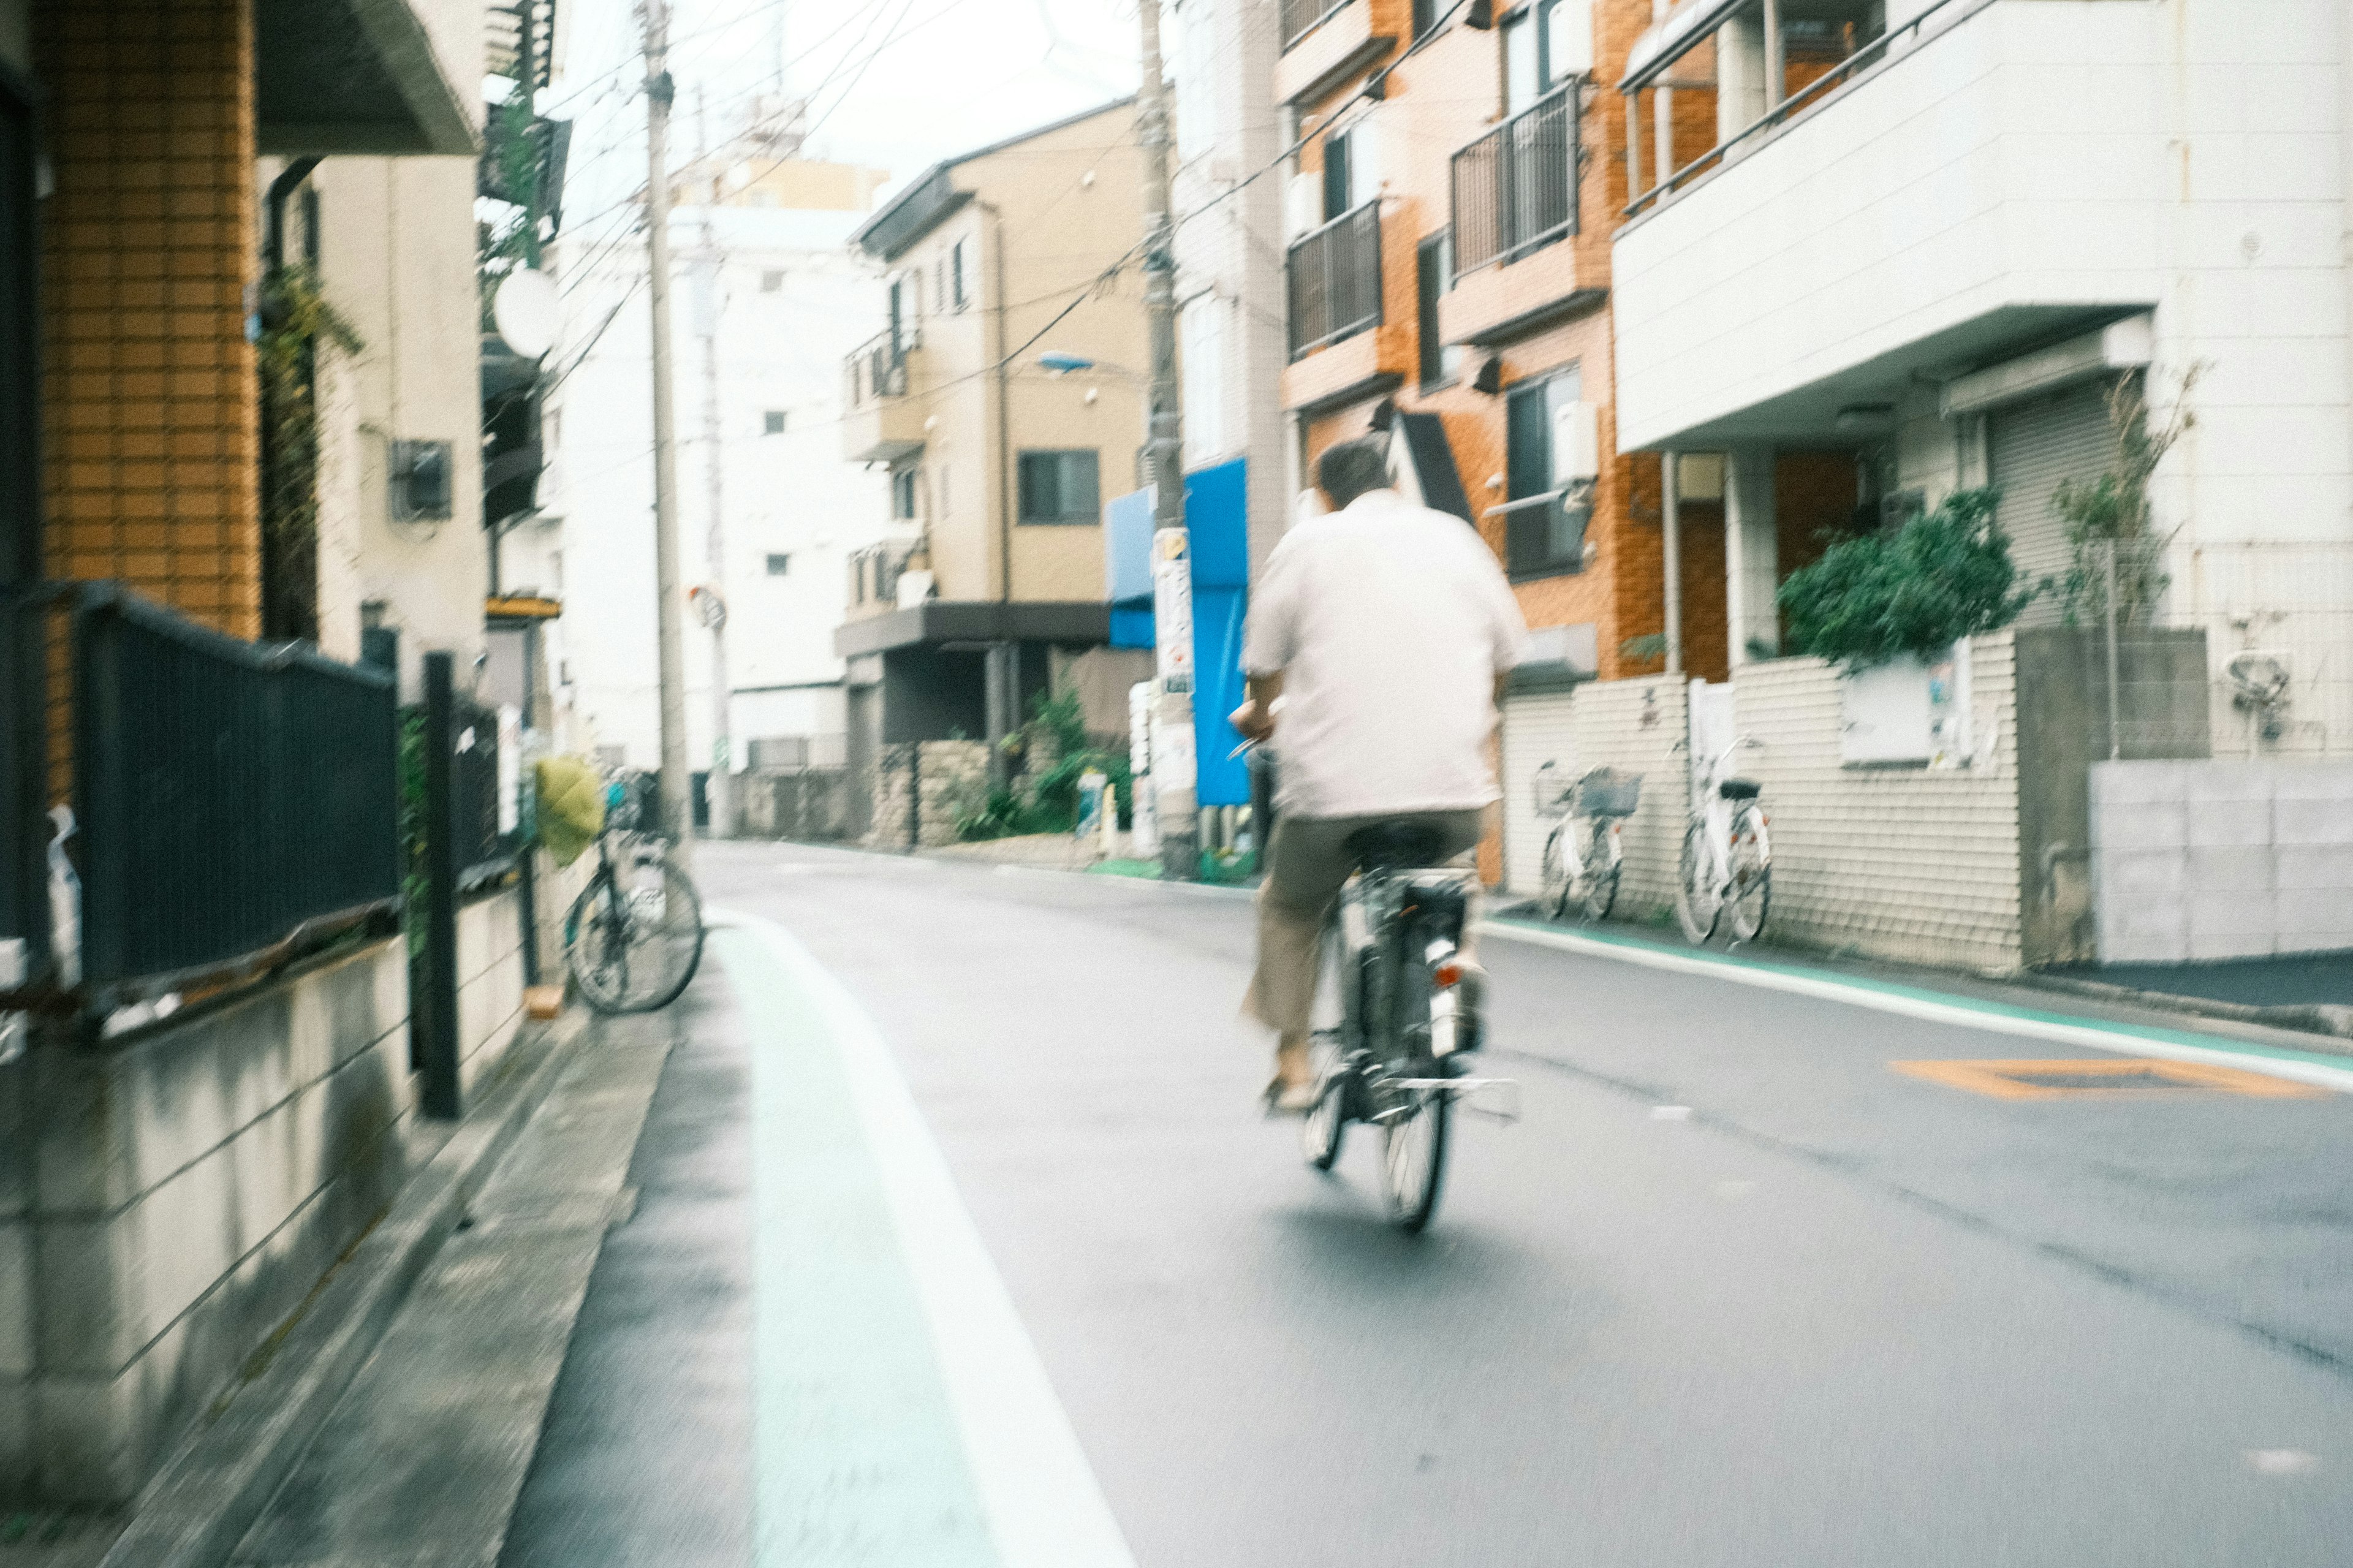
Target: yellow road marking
x,y
2016,1079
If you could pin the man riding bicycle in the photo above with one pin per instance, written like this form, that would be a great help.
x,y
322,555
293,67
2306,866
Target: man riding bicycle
x,y
1388,631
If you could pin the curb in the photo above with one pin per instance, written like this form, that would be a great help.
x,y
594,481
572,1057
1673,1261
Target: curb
x,y
206,1496
2313,1018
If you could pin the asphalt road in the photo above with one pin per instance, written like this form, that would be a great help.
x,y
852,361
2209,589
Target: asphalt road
x,y
1733,1292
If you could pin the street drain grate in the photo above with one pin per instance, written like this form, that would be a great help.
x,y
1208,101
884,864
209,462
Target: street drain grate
x,y
2103,1076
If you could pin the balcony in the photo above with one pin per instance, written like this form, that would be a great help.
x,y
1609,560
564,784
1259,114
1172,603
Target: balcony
x,y
880,422
1334,277
1322,43
1514,196
1987,177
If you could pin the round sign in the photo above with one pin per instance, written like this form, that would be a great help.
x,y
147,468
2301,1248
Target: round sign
x,y
527,312
709,608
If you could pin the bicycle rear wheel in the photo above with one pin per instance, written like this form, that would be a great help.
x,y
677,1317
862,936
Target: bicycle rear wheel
x,y
1413,1156
633,942
1597,882
1552,896
1320,1133
1698,904
1752,875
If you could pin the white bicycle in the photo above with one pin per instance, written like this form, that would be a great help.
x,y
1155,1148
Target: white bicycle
x,y
1727,856
1583,859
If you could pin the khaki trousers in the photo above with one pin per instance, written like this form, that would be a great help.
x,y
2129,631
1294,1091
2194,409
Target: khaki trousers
x,y
1307,864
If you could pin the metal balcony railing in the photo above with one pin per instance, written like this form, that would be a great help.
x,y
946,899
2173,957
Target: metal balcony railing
x,y
1335,278
878,368
1515,187
1298,17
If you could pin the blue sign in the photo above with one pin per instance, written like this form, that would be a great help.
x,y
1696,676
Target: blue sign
x,y
1217,516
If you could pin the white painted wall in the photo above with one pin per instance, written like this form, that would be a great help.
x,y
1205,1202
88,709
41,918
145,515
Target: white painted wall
x,y
2042,152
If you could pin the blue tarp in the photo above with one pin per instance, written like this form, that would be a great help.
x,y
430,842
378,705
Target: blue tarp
x,y
1217,518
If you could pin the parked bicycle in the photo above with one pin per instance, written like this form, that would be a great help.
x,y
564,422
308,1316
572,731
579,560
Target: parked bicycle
x,y
1583,857
1409,1014
633,939
1727,856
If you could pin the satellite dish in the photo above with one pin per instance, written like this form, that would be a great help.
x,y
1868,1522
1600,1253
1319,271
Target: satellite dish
x,y
527,312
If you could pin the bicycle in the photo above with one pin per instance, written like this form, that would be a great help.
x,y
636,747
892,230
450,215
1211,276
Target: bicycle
x,y
1728,856
1583,858
1410,1013
633,939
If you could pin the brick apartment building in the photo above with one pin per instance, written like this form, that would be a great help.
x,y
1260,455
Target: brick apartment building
x,y
1463,169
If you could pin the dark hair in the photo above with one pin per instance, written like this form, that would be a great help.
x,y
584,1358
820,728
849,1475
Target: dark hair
x,y
1350,468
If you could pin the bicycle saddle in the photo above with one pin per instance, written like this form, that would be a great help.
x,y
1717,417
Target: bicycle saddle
x,y
1394,846
1740,789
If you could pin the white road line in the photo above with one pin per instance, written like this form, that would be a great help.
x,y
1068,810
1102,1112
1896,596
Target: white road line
x,y
2124,1040
1046,1508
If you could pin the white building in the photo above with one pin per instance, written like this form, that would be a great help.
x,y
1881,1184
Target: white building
x,y
768,301
1955,225
1230,253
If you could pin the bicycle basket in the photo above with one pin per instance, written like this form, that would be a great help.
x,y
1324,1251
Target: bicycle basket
x,y
1552,789
1608,792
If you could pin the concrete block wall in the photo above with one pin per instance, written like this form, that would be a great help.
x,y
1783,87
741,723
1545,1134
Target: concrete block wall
x,y
490,983
2221,858
170,1197
1912,864
1630,724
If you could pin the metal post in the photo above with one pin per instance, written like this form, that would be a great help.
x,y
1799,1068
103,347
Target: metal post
x,y
2115,715
722,794
1174,766
677,785
437,1011
1670,526
1776,69
1633,147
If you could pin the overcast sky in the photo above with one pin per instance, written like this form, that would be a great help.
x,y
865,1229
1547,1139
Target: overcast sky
x,y
892,83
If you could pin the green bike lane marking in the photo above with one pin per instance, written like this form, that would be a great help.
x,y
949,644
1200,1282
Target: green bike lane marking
x,y
900,1413
2334,1072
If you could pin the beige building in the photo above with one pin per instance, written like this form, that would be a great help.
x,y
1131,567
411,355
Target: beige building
x,y
1005,397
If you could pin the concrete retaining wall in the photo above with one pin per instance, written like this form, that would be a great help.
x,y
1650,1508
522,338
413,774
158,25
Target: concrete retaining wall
x,y
807,804
169,1197
2216,859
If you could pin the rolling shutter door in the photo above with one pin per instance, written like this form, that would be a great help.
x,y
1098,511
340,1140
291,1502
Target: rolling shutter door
x,y
2034,446
1538,726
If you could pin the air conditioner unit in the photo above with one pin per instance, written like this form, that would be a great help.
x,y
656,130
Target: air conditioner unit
x,y
1576,443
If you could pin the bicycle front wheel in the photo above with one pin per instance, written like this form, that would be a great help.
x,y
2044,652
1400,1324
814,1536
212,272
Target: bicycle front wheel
x,y
1752,875
1698,903
633,942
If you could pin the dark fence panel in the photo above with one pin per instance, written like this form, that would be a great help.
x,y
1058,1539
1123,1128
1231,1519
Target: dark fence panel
x,y
227,794
1515,188
480,849
1335,278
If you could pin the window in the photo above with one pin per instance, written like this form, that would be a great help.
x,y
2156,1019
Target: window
x,y
1337,187
902,494
940,282
1548,538
772,282
1425,16
1061,487
959,284
1544,45
779,565
1433,276
772,423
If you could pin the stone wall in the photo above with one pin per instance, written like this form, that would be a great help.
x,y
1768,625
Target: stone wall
x,y
949,782
170,1197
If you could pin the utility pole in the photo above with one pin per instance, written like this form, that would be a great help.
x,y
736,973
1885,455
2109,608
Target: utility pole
x,y
714,548
1175,768
677,783
533,196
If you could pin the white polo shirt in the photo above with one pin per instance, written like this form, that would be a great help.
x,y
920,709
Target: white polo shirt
x,y
1389,623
